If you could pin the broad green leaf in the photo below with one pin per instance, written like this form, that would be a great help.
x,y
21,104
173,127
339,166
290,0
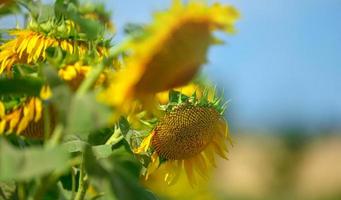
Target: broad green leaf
x,y
121,172
87,115
30,163
99,137
27,86
100,151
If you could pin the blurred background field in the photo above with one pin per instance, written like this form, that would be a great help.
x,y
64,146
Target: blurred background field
x,y
281,72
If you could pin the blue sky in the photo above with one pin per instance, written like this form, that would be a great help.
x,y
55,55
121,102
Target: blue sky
x,y
283,67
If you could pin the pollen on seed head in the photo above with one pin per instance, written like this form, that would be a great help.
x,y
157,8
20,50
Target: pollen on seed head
x,y
185,132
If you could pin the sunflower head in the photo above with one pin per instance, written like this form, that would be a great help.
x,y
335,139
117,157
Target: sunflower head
x,y
187,136
171,51
185,132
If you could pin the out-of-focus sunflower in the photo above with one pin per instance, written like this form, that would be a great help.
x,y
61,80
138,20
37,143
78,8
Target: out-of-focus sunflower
x,y
188,136
16,120
24,116
75,73
30,47
171,52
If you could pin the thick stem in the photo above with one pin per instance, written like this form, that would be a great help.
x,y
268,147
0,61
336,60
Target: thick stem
x,y
90,80
83,183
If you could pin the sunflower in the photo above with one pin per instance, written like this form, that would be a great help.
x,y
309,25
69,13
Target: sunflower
x,y
30,47
187,137
19,118
75,73
171,51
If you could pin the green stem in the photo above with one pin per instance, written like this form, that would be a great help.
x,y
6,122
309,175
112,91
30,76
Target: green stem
x,y
21,191
73,186
56,136
115,137
45,184
83,182
90,80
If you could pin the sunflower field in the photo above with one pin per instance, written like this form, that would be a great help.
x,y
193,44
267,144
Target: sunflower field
x,y
86,116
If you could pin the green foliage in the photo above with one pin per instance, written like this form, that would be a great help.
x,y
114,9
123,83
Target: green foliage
x,y
31,162
119,174
86,115
25,86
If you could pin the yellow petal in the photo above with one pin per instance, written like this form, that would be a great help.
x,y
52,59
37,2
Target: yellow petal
x,y
219,150
30,107
45,92
38,109
200,166
2,110
145,144
209,154
2,126
38,48
153,165
173,169
23,46
14,119
188,165
22,124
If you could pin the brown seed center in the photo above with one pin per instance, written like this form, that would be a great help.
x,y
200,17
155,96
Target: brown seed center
x,y
185,132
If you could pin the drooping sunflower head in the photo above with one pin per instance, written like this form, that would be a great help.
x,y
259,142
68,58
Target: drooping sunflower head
x,y
171,51
187,136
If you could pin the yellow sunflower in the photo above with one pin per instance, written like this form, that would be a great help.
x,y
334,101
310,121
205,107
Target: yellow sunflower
x,y
75,73
186,137
29,47
19,118
171,52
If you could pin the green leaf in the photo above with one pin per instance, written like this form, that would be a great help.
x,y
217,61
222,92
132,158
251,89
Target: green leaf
x,y
27,86
120,172
124,126
100,136
74,145
100,151
30,163
87,115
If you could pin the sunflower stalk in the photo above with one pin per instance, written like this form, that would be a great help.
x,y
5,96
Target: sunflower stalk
x,y
115,138
90,80
83,182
